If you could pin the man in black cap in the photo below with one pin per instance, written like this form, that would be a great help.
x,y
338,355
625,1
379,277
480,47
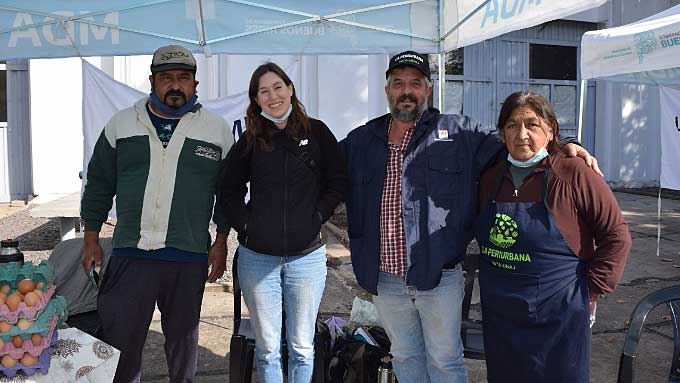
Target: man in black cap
x,y
410,211
161,159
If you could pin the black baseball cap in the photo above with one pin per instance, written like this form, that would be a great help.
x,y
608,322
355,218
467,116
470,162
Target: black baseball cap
x,y
409,58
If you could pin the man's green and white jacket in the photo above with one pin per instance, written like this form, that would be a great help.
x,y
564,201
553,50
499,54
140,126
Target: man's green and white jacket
x,y
164,196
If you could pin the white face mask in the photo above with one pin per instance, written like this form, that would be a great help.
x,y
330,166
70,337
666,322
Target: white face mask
x,y
280,119
543,153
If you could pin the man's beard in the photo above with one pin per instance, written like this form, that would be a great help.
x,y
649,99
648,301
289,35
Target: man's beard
x,y
167,100
407,114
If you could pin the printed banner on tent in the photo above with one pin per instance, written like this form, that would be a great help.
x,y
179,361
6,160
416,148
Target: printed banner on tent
x,y
64,28
670,137
497,17
644,51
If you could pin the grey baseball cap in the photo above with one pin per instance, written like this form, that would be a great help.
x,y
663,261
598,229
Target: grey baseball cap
x,y
172,57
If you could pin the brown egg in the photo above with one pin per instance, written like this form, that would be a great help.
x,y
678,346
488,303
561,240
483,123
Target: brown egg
x,y
36,339
31,299
24,323
5,289
4,326
28,359
13,301
17,341
39,293
26,286
40,285
8,361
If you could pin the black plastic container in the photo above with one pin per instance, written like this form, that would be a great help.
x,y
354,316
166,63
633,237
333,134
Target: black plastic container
x,y
9,252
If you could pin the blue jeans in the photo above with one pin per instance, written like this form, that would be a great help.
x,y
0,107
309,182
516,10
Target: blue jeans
x,y
424,328
297,282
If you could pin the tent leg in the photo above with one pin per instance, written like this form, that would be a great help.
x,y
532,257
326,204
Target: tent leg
x,y
581,110
442,81
441,58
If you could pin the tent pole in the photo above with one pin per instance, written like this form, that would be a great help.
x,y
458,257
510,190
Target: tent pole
x,y
581,110
441,58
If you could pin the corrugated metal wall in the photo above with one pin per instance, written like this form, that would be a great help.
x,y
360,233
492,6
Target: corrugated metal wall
x,y
496,68
16,148
4,173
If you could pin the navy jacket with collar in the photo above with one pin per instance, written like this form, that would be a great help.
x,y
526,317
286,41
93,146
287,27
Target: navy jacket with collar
x,y
441,170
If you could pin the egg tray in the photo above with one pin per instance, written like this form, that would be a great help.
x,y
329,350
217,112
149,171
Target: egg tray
x,y
11,273
55,307
28,346
24,311
43,363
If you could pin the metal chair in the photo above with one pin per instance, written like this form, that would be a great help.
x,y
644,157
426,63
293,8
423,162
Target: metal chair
x,y
242,347
471,331
670,296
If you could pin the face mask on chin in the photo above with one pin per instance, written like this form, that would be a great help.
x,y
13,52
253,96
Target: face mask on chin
x,y
176,112
279,119
538,157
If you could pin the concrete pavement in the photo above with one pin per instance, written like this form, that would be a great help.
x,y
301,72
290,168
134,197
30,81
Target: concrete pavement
x,y
644,273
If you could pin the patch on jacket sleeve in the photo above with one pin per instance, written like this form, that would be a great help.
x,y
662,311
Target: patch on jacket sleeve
x,y
207,152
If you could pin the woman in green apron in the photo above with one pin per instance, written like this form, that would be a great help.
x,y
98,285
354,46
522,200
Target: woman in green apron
x,y
552,240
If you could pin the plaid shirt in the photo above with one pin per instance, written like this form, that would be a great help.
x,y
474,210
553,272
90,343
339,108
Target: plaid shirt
x,y
392,237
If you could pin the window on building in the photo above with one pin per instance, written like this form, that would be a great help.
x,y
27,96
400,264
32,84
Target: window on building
x,y
3,93
552,62
453,87
453,62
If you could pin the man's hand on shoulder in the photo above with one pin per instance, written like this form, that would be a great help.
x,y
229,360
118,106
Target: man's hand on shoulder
x,y
573,150
217,258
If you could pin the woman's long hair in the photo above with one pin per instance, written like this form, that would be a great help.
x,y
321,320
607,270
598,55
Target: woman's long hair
x,y
539,105
257,130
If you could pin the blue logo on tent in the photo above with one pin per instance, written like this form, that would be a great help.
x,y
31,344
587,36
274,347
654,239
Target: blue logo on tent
x,y
645,43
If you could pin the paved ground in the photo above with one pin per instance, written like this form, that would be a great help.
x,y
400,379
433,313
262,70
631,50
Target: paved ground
x,y
644,273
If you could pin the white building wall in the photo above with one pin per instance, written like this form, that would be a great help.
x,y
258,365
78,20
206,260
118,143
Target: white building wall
x,y
56,124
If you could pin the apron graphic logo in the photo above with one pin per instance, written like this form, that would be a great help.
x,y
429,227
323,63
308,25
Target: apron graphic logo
x,y
504,231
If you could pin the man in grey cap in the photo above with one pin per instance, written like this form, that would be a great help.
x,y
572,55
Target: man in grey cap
x,y
161,160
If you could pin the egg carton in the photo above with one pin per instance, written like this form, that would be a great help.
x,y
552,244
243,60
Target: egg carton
x,y
28,346
11,274
24,311
43,363
55,307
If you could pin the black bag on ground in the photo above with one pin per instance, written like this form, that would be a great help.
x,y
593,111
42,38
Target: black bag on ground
x,y
357,362
322,353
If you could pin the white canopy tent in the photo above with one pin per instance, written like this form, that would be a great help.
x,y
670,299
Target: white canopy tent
x,y
302,28
643,52
646,51
65,28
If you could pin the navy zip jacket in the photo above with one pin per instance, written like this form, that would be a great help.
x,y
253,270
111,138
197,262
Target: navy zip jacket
x,y
441,170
